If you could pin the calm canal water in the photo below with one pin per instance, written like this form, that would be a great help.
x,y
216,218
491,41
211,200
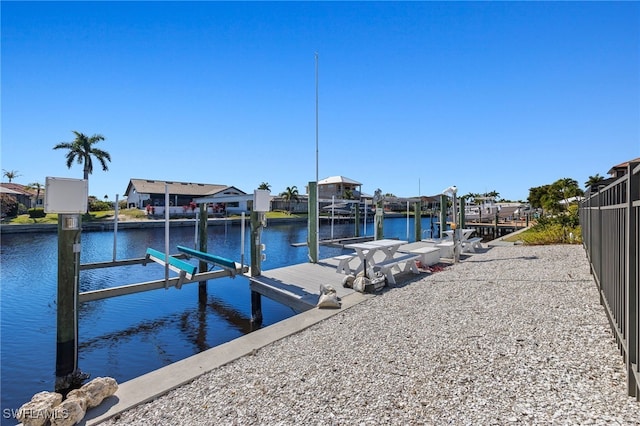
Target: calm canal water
x,y
127,336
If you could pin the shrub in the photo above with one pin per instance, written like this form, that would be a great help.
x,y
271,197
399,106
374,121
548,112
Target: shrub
x,y
9,205
552,234
37,213
99,206
563,228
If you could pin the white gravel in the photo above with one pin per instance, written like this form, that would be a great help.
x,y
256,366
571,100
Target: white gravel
x,y
512,335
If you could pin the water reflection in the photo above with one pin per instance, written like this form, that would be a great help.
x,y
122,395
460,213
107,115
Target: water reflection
x,y
124,337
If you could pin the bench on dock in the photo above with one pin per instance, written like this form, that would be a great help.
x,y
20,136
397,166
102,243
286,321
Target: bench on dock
x,y
184,269
428,255
343,263
446,249
386,266
222,262
471,244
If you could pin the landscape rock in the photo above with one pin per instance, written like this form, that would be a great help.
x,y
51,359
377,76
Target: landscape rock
x,y
40,409
96,390
69,412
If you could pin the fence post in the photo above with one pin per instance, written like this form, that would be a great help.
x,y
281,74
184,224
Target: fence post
x,y
633,189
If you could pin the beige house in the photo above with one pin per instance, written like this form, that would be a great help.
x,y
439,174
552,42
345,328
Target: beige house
x,y
339,187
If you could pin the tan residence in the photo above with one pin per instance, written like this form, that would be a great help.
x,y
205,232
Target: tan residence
x,y
339,187
149,194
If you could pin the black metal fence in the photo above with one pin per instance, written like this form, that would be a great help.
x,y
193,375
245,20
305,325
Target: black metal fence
x,y
610,220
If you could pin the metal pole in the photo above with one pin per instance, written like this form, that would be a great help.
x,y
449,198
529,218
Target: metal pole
x,y
631,280
317,212
456,231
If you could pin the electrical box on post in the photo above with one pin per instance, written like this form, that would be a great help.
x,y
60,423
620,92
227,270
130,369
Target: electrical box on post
x,y
66,196
261,200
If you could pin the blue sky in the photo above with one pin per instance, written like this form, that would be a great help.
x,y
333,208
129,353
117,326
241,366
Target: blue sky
x,y
413,97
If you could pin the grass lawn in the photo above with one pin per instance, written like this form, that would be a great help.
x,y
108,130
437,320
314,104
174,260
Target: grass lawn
x,y
125,215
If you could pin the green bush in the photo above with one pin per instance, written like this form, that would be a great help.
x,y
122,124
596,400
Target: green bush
x,y
551,234
99,206
563,228
37,213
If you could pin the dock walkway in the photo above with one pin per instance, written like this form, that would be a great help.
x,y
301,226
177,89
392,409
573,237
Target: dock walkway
x,y
298,286
514,334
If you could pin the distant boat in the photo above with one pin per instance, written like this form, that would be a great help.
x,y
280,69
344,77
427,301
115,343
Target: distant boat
x,y
338,209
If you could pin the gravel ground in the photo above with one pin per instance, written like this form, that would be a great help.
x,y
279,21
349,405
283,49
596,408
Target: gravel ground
x,y
512,335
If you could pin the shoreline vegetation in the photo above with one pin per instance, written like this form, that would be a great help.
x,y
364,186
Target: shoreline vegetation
x,y
557,230
125,215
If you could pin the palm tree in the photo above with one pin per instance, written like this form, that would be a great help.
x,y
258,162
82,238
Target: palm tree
x,y
593,180
82,149
10,174
265,186
290,194
348,194
37,186
566,188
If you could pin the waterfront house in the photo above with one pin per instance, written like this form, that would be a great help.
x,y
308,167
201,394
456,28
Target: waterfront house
x,y
150,194
24,195
620,170
339,187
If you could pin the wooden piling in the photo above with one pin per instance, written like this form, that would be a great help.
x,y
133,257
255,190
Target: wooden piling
x,y
202,246
256,263
417,216
312,223
69,229
443,214
379,221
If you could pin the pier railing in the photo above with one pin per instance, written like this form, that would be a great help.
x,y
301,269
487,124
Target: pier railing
x,y
610,220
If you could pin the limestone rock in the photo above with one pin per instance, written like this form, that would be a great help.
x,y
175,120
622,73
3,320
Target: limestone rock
x,y
328,297
96,390
40,409
69,412
347,281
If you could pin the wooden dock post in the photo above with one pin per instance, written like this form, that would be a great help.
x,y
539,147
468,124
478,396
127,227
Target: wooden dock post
x,y
67,373
417,215
202,246
443,214
379,221
356,214
312,223
256,264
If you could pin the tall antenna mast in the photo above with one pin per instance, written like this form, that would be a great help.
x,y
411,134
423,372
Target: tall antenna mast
x,y
317,179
